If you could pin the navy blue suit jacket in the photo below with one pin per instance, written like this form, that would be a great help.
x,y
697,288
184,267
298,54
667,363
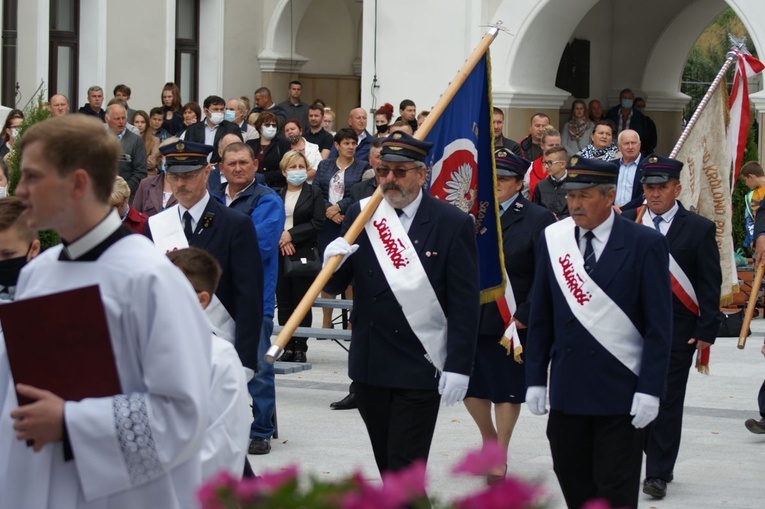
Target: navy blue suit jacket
x,y
693,245
384,351
230,236
584,377
362,149
327,169
522,226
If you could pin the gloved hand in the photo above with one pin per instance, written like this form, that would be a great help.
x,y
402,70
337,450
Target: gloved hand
x,y
452,387
645,408
339,246
536,399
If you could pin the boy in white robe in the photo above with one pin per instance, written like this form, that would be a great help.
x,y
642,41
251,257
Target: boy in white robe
x,y
139,448
228,432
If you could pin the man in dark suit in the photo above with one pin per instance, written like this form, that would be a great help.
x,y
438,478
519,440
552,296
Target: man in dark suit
x,y
695,321
601,320
133,157
625,116
213,127
227,234
758,425
403,334
357,120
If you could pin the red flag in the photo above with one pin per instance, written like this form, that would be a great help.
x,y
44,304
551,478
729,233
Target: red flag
x,y
738,128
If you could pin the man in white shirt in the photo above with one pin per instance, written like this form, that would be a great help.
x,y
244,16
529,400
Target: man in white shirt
x,y
628,185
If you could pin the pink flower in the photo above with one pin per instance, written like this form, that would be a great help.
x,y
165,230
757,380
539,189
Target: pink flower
x,y
597,504
268,482
482,461
404,485
214,493
507,494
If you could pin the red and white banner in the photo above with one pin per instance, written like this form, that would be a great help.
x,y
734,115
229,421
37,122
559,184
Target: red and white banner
x,y
738,129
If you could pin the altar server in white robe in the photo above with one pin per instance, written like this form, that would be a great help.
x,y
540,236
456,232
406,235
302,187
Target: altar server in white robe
x,y
140,448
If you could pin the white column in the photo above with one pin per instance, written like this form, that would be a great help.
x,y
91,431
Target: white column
x,y
92,65
33,48
211,28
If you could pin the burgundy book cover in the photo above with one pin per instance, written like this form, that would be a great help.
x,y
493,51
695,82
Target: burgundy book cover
x,y
60,343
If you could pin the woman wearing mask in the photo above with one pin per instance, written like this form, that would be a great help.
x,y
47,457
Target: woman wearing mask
x,y
304,208
577,131
383,116
11,131
142,122
602,146
5,179
269,150
293,131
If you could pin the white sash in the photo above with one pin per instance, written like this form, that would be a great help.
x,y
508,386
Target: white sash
x,y
167,230
408,281
167,234
681,284
594,309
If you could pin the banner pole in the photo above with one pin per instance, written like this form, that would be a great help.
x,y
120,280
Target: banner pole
x,y
305,305
731,57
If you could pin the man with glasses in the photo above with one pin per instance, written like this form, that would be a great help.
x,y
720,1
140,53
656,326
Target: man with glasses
x,y
416,306
549,192
538,172
228,235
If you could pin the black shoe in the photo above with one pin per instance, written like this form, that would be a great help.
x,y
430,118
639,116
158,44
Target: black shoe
x,y
299,357
259,446
655,487
286,356
347,403
757,427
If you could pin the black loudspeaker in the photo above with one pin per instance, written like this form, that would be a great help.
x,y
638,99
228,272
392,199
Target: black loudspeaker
x,y
574,69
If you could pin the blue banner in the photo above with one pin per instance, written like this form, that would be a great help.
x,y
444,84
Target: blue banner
x,y
461,170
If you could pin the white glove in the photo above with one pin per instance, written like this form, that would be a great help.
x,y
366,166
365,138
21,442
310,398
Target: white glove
x,y
452,387
536,399
339,246
645,408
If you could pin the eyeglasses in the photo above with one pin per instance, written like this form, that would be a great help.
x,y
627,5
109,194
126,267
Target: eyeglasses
x,y
190,175
269,125
548,164
399,173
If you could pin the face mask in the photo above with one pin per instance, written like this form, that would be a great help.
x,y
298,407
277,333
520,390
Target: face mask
x,y
3,191
626,103
229,115
14,132
297,177
269,131
294,139
641,109
216,118
9,275
382,128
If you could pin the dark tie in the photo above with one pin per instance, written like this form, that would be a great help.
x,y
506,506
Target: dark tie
x,y
399,212
589,253
501,209
187,225
657,222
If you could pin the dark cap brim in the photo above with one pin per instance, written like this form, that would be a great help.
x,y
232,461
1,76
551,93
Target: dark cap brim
x,y
182,168
655,179
395,158
578,185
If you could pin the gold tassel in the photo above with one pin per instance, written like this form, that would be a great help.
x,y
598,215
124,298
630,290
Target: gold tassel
x,y
517,354
507,343
704,370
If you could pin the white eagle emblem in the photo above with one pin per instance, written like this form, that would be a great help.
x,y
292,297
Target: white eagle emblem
x,y
458,191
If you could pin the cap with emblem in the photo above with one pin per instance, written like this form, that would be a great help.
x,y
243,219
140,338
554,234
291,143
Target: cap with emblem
x,y
185,156
510,165
400,147
583,172
657,169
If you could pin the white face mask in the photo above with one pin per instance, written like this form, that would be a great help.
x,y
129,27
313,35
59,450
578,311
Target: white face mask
x,y
3,192
216,117
269,132
230,115
14,132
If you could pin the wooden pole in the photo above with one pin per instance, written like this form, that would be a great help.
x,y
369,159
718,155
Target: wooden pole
x,y
756,282
355,229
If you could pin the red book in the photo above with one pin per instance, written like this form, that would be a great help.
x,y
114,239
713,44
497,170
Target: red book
x,y
60,343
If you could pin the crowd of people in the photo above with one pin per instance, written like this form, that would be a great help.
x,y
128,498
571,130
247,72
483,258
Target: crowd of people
x,y
249,201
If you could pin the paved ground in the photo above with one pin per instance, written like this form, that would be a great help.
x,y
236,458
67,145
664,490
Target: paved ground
x,y
720,464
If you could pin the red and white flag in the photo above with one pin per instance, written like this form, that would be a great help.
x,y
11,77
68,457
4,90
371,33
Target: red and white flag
x,y
738,128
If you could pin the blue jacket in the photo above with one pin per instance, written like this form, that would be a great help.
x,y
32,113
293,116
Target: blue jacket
x,y
327,169
266,210
585,378
362,149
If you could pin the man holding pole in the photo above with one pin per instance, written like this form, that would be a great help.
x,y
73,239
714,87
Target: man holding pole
x,y
696,281
754,425
416,306
601,320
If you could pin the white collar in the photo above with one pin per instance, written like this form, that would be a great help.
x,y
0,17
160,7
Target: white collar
x,y
603,231
95,236
668,216
197,209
